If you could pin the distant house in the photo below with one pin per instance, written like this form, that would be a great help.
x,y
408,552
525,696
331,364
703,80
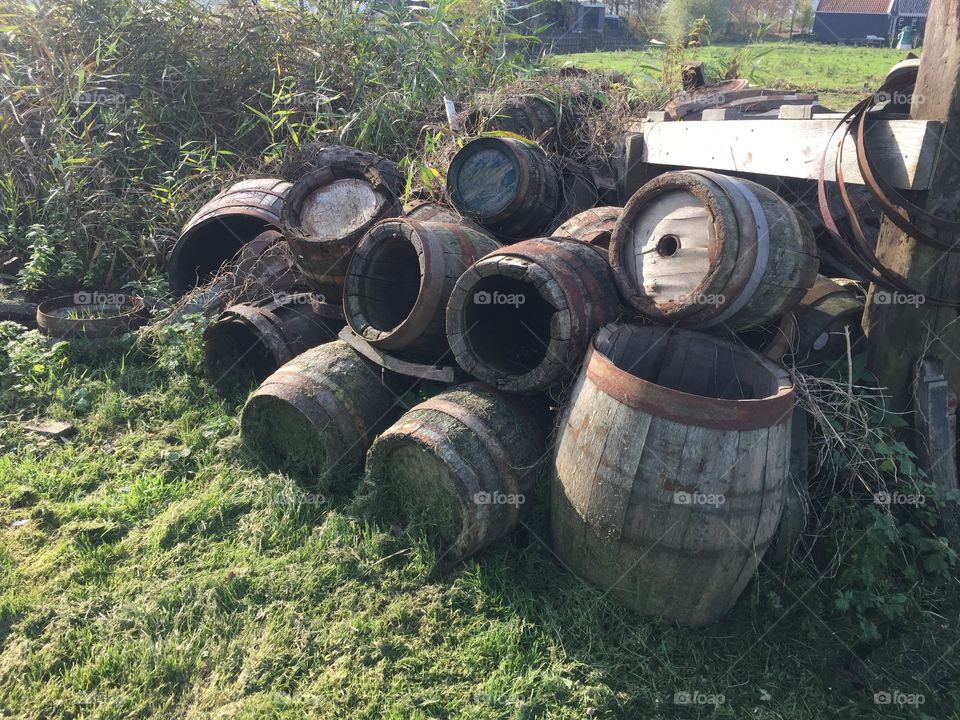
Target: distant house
x,y
856,21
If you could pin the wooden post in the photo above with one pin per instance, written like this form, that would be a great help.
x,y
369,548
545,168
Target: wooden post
x,y
900,334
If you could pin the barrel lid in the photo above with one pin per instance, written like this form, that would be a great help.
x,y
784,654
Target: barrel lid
x,y
689,377
485,177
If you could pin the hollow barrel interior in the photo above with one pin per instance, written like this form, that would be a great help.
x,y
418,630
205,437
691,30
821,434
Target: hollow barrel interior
x,y
689,362
508,324
389,280
204,248
670,243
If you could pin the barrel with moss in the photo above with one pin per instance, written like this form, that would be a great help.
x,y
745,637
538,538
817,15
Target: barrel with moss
x,y
459,467
317,415
594,226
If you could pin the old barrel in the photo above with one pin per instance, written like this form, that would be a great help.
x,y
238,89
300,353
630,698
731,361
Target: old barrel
x,y
702,249
522,317
249,341
670,469
815,333
330,208
458,467
428,210
506,184
400,279
318,414
221,227
594,226
796,501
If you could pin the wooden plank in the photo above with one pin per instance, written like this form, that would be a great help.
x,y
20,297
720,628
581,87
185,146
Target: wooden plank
x,y
903,151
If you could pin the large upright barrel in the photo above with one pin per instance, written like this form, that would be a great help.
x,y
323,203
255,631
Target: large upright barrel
x,y
670,469
317,415
251,340
400,279
521,318
459,467
221,227
506,184
330,208
702,249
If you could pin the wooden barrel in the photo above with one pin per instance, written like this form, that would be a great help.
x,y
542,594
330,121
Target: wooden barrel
x,y
814,334
329,209
529,116
459,467
251,340
670,469
505,184
521,318
428,210
594,226
317,415
400,279
796,502
221,227
702,249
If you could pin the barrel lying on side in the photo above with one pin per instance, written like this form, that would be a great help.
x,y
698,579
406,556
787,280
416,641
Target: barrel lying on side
x,y
815,333
594,226
702,249
221,227
251,340
505,184
330,208
459,467
317,415
670,469
400,279
521,318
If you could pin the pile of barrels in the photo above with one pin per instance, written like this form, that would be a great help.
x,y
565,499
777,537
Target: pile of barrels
x,y
630,355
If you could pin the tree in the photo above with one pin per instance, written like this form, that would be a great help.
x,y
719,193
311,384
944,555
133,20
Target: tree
x,y
680,17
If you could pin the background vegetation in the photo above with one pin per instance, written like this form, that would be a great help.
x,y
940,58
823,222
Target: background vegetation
x,y
150,567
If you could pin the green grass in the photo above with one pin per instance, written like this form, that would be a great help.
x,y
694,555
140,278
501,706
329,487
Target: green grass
x,y
839,73
150,568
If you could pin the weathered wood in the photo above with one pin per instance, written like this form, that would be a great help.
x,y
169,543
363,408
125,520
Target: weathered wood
x,y
400,279
249,341
221,227
460,467
505,184
329,209
900,335
56,429
704,249
446,374
663,493
521,318
594,226
317,415
903,151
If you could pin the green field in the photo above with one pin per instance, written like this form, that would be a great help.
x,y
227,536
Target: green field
x,y
839,73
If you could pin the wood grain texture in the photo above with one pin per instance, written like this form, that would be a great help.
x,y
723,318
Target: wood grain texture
x,y
670,518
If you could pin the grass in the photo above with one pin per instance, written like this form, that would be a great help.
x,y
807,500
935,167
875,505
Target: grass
x,y
839,73
150,568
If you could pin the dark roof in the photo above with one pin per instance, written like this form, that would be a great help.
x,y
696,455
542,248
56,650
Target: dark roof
x,y
913,7
865,7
